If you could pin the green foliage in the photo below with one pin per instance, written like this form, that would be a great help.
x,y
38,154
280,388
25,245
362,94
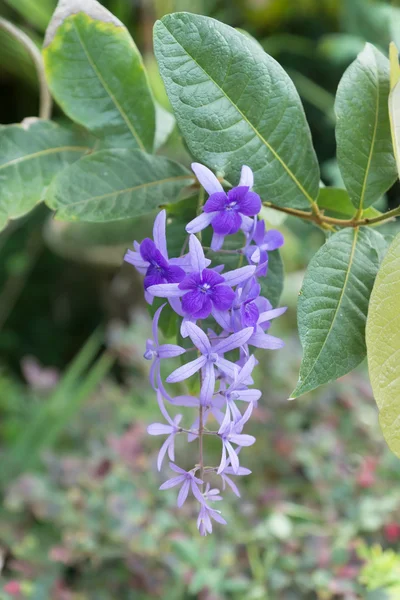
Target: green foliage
x,y
336,202
333,306
383,343
364,147
116,184
31,155
245,110
96,74
381,570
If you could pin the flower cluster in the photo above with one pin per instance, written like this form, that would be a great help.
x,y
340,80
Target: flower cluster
x,y
221,312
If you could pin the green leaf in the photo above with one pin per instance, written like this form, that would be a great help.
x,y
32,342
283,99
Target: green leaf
x,y
364,147
102,244
165,123
333,305
383,345
116,184
336,202
34,12
235,105
96,74
31,155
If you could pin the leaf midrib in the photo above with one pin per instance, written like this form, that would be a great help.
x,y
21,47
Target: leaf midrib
x,y
39,153
108,91
371,151
258,134
126,190
351,258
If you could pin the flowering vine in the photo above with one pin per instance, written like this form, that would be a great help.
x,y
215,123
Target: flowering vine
x,y
198,291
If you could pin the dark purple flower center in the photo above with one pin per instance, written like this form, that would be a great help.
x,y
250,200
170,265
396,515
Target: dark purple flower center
x,y
159,271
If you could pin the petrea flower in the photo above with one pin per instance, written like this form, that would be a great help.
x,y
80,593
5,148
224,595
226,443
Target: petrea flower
x,y
264,243
245,312
230,433
156,351
194,291
151,257
211,357
161,429
227,212
238,390
227,480
259,339
204,523
187,480
204,290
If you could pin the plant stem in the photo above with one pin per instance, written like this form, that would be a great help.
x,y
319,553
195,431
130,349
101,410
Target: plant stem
x,y
321,219
45,101
201,432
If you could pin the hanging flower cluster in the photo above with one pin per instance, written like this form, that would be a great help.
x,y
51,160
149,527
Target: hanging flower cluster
x,y
198,292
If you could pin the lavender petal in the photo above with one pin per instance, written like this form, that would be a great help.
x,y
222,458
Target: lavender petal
x,y
183,493
159,429
207,178
159,236
196,254
200,222
170,350
234,341
187,370
246,177
238,275
165,290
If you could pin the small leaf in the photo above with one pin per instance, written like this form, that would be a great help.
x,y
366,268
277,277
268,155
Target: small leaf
x,y
116,184
364,148
96,74
383,345
31,155
235,105
333,305
336,202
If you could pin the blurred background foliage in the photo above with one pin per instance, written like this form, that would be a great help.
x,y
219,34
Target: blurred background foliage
x,y
82,518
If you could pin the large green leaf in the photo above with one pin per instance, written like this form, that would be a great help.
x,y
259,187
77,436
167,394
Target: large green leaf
x,y
383,345
333,305
31,154
364,146
102,244
96,74
235,105
116,184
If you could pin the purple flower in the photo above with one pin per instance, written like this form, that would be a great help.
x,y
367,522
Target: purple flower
x,y
187,480
204,290
211,357
156,351
227,480
161,429
264,243
204,523
259,339
230,433
151,258
238,390
245,311
226,212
